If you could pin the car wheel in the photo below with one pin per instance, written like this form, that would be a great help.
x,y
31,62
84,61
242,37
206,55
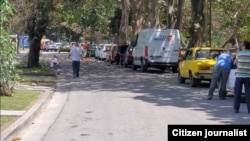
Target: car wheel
x,y
126,65
162,70
193,81
181,79
143,66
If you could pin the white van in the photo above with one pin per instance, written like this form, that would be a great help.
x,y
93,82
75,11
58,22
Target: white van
x,y
156,48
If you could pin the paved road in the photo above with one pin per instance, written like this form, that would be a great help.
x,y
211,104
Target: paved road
x,y
110,103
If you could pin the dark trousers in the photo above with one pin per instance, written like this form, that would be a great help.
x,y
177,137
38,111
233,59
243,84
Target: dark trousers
x,y
239,82
222,75
76,68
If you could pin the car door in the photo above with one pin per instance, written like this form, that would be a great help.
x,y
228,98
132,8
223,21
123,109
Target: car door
x,y
185,64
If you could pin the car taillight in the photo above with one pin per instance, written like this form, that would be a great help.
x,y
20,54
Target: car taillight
x,y
146,51
204,67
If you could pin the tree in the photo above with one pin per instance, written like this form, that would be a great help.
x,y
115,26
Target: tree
x,y
198,23
36,24
8,76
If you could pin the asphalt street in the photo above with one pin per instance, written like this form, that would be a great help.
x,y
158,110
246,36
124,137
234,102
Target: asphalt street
x,y
108,102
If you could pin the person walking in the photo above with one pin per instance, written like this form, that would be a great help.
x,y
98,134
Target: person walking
x,y
221,72
54,64
76,56
242,76
85,47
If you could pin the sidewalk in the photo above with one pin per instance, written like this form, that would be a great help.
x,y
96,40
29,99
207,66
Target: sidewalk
x,y
26,116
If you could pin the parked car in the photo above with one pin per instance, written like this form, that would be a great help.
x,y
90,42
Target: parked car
x,y
93,48
103,51
65,47
51,46
112,51
197,64
97,51
231,84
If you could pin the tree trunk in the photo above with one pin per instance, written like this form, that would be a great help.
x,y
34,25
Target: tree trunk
x,y
196,28
123,36
171,17
34,52
175,12
137,18
36,25
179,14
5,90
152,11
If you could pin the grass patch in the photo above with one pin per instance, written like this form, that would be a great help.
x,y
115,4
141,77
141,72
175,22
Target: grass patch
x,y
21,100
6,121
43,69
34,71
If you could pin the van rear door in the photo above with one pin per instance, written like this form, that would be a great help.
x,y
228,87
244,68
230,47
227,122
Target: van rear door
x,y
164,46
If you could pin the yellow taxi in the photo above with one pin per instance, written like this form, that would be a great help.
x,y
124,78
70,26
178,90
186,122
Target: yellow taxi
x,y
197,64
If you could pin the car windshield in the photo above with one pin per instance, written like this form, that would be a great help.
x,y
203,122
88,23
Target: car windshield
x,y
207,54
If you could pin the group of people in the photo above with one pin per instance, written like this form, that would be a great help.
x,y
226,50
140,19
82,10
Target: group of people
x,y
221,72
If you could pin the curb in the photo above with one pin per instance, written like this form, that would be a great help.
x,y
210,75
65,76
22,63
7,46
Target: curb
x,y
24,120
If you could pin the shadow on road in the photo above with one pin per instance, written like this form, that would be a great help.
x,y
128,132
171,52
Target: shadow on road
x,y
160,89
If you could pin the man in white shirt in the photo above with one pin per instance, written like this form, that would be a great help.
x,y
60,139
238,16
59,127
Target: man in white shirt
x,y
76,55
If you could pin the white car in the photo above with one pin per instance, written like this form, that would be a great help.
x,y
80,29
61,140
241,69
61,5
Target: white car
x,y
97,51
231,82
103,51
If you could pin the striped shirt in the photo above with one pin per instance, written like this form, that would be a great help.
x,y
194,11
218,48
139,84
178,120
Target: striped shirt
x,y
243,65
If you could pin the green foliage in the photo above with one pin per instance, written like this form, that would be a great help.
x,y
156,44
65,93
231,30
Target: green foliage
x,y
96,14
8,76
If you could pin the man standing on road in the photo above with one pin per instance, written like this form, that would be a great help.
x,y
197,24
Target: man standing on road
x,y
76,55
242,76
221,72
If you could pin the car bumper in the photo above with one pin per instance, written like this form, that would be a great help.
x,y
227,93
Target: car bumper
x,y
203,75
162,64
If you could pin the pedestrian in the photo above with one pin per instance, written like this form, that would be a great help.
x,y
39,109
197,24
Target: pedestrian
x,y
85,47
76,56
221,72
54,64
242,76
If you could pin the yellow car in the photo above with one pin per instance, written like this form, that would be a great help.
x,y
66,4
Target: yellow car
x,y
197,64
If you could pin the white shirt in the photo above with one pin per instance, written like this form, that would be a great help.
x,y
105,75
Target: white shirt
x,y
75,53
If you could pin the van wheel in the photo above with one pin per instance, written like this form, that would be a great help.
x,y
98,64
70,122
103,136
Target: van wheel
x,y
163,70
193,81
181,79
143,66
174,70
134,67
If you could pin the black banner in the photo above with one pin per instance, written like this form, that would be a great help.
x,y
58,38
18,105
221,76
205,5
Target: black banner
x,y
208,132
